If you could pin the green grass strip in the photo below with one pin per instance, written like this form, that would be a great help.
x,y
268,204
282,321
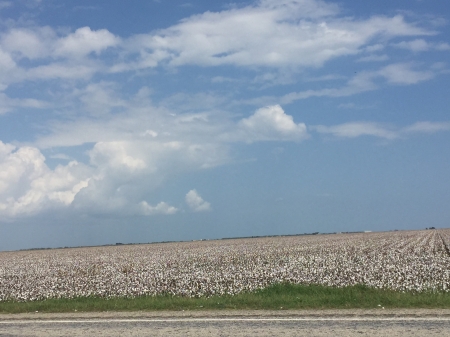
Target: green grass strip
x,y
281,296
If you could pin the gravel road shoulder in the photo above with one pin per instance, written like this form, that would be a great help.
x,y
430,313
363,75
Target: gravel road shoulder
x,y
347,313
236,323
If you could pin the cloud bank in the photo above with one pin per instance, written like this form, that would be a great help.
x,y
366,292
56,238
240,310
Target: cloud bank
x,y
121,172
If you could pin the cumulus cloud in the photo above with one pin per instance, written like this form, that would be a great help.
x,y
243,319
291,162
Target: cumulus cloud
x,y
29,43
125,172
44,42
116,155
28,186
119,173
196,202
85,41
270,123
73,56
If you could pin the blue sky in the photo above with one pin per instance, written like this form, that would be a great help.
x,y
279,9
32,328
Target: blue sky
x,y
141,121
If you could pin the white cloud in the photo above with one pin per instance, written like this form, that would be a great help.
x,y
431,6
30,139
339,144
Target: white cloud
x,y
28,186
427,127
374,48
137,150
278,34
359,83
100,98
64,71
115,155
196,203
7,64
136,118
417,45
444,46
285,35
396,73
30,43
119,174
270,123
8,104
85,41
420,45
357,129
58,57
125,172
161,208
402,73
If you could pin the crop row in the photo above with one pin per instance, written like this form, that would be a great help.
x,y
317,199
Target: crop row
x,y
403,261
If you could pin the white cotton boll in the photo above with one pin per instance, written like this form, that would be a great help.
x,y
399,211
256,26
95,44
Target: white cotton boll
x,y
227,267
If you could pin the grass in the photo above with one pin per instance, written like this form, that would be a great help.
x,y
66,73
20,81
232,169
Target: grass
x,y
276,297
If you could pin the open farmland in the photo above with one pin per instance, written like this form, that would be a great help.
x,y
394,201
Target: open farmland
x,y
403,261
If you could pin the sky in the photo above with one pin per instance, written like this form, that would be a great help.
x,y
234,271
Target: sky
x,y
143,121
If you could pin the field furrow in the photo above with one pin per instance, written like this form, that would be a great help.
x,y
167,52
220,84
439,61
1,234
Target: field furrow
x,y
403,261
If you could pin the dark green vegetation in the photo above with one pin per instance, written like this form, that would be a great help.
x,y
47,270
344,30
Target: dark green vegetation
x,y
281,296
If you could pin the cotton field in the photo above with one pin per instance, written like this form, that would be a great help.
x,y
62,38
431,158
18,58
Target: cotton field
x,y
404,260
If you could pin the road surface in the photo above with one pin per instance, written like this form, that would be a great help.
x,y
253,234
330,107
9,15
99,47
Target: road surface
x,y
232,323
